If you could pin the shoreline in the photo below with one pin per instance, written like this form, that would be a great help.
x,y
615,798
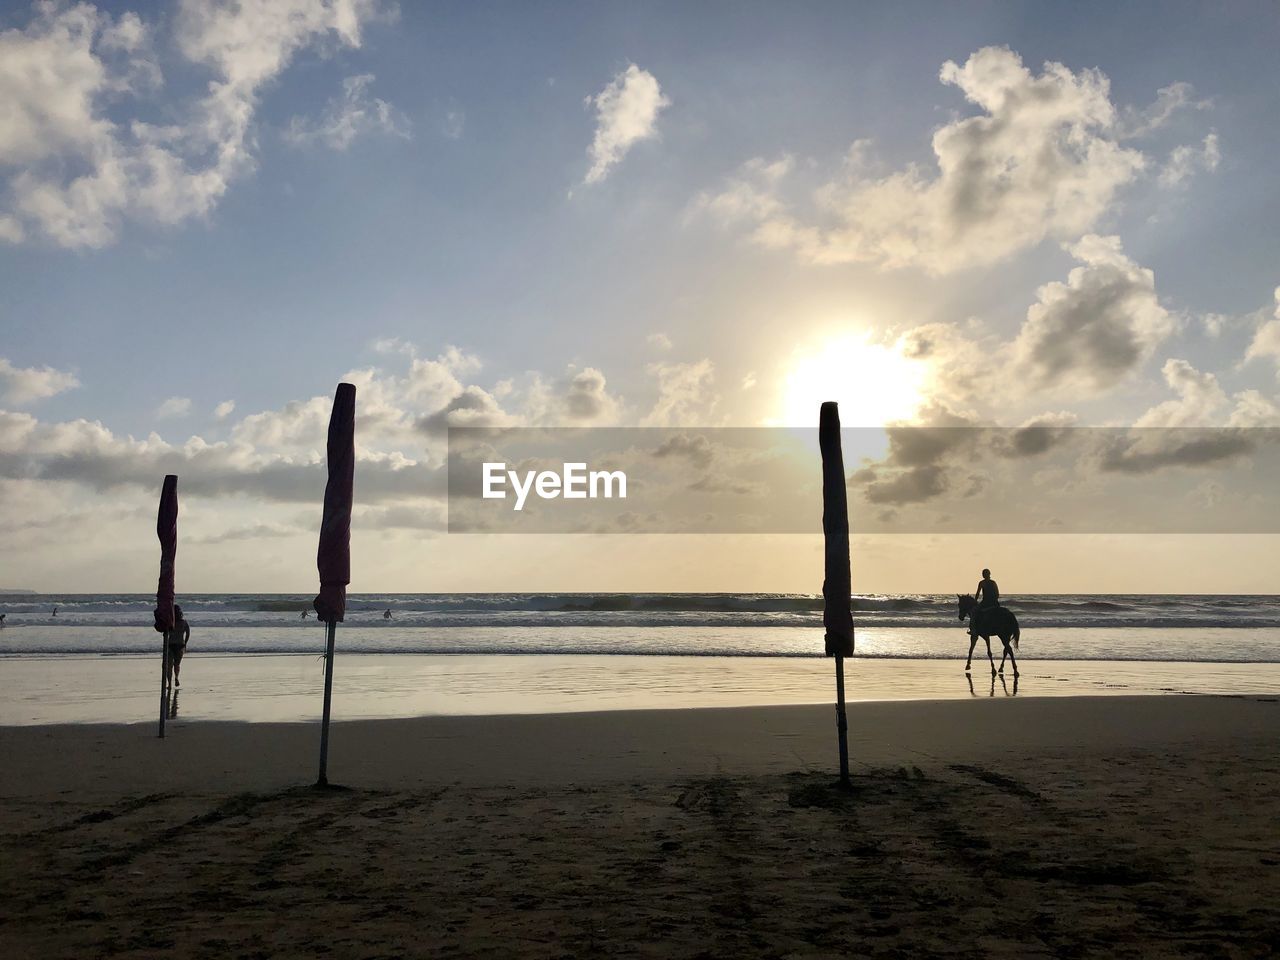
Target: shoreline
x,y
390,686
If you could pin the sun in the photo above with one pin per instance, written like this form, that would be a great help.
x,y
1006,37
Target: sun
x,y
873,383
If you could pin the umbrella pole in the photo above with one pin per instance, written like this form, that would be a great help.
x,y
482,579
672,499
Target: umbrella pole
x,y
842,723
323,780
164,682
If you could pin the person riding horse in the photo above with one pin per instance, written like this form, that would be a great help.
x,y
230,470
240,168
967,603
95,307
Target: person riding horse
x,y
987,617
988,597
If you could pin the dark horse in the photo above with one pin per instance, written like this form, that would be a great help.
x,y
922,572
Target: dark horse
x,y
995,620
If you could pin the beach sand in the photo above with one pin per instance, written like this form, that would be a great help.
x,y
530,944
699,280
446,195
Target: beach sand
x,y
1104,826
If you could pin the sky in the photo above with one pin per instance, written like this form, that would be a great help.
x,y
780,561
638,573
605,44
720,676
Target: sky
x,y
613,215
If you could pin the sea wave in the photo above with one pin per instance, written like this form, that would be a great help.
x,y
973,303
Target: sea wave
x,y
1210,645
527,610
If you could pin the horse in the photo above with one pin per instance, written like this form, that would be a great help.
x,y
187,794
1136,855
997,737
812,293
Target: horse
x,y
993,620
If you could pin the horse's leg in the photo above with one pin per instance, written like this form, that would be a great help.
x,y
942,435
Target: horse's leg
x,y
990,658
1004,654
1012,659
973,642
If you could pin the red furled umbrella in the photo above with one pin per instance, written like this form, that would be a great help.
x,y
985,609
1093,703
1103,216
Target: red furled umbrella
x,y
167,532
333,558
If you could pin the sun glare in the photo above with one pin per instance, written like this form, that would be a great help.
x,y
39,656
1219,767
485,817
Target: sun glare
x,y
874,384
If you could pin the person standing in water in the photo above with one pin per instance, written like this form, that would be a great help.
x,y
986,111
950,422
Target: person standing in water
x,y
387,615
178,638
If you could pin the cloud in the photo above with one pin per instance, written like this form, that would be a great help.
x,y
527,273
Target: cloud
x,y
1199,398
252,531
351,115
78,166
224,409
722,483
174,407
473,407
659,341
454,123
913,485
686,395
1184,161
1174,98
1252,409
20,386
697,449
1151,451
1201,401
1038,435
921,461
414,515
626,113
1266,339
1089,333
588,400
1041,159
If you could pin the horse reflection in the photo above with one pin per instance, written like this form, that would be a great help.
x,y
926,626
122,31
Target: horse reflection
x,y
1008,692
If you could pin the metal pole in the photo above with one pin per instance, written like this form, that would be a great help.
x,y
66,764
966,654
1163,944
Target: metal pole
x,y
164,682
323,781
842,723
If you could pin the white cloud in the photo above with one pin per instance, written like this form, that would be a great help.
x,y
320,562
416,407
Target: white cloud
x,y
626,113
22,385
750,195
1170,100
455,122
1185,161
174,407
1199,398
1266,339
77,167
1091,332
686,395
580,398
659,341
352,114
587,399
1041,159
11,230
1252,409
224,409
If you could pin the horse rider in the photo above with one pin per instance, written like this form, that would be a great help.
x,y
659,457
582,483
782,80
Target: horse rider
x,y
988,597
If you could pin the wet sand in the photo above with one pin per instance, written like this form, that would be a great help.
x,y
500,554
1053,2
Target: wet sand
x,y
1117,826
125,689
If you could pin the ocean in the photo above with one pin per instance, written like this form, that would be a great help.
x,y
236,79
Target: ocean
x,y
1211,629
253,658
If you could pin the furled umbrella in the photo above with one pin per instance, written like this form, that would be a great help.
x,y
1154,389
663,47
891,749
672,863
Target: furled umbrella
x,y
167,532
333,558
837,616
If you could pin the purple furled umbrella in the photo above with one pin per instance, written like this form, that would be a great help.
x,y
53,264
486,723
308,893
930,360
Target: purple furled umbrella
x,y
837,616
333,558
167,531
